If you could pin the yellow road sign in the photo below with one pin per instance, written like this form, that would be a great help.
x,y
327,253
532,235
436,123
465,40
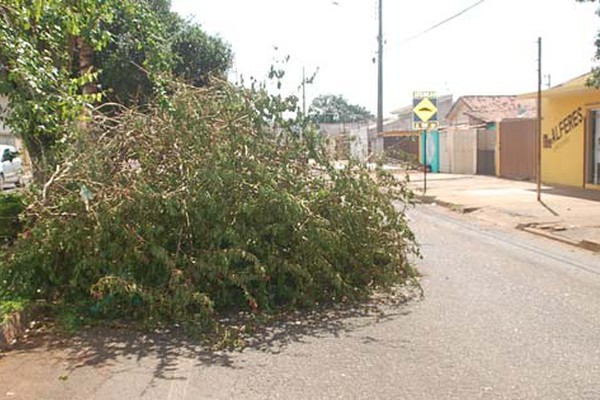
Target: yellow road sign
x,y
425,110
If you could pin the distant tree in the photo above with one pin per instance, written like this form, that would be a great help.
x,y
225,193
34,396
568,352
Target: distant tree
x,y
172,47
197,55
335,109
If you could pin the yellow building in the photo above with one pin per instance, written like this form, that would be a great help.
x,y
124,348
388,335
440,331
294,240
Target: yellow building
x,y
571,134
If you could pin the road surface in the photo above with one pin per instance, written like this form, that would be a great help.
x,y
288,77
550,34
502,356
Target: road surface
x,y
505,315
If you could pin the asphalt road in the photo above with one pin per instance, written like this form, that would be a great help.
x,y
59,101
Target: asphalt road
x,y
505,315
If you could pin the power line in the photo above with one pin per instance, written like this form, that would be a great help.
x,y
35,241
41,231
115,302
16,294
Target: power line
x,y
458,14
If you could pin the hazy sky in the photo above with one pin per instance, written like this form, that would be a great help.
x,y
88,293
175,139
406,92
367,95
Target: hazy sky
x,y
491,49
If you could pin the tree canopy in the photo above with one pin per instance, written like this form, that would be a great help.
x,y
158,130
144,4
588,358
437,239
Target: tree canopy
x,y
335,109
61,57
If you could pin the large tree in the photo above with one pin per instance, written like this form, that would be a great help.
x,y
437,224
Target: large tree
x,y
59,58
167,44
335,109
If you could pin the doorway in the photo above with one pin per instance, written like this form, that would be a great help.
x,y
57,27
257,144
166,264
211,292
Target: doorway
x,y
593,149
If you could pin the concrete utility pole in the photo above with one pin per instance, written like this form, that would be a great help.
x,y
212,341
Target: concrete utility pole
x,y
303,92
539,124
380,74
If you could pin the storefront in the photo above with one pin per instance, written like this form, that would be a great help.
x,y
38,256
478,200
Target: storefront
x,y
571,134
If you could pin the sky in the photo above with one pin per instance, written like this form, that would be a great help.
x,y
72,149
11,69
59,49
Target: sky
x,y
490,49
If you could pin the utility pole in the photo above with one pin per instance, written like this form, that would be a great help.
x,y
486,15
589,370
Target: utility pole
x,y
303,92
539,124
380,74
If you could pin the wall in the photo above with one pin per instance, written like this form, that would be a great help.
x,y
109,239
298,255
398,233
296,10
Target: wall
x,y
464,157
359,143
445,151
345,140
458,151
563,136
517,139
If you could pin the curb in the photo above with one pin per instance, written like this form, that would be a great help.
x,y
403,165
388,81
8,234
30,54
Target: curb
x,y
540,232
424,199
583,244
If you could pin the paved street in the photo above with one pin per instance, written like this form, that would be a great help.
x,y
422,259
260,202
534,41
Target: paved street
x,y
506,315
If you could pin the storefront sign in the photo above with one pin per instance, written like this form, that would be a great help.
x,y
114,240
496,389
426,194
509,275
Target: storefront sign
x,y
563,128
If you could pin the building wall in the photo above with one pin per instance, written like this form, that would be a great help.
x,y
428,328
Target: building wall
x,y
345,140
458,151
445,153
517,149
464,157
359,143
564,124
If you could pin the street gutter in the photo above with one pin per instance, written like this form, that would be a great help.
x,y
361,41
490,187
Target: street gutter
x,y
532,228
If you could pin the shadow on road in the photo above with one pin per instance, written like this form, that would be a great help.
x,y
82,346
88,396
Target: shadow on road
x,y
584,194
106,347
547,207
276,335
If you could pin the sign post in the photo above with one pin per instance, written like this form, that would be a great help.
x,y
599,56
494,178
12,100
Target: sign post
x,y
425,118
424,161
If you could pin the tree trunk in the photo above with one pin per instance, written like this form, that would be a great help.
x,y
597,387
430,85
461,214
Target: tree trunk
x,y
86,58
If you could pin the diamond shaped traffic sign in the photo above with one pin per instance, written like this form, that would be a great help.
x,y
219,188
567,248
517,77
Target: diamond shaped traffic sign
x,y
425,110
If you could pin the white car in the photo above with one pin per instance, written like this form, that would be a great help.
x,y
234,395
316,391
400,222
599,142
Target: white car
x,y
12,167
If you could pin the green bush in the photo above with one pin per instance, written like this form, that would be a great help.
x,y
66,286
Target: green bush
x,y
8,307
11,206
208,207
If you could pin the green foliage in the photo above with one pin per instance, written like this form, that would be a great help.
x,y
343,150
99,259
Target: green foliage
x,y
11,206
36,59
55,54
335,109
138,54
204,209
149,42
9,307
198,56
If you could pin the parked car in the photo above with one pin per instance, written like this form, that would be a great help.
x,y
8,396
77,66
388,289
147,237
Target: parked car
x,y
11,167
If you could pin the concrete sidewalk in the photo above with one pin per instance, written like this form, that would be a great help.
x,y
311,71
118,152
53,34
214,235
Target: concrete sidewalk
x,y
569,215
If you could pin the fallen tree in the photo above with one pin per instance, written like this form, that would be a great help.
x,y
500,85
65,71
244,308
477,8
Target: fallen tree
x,y
208,206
